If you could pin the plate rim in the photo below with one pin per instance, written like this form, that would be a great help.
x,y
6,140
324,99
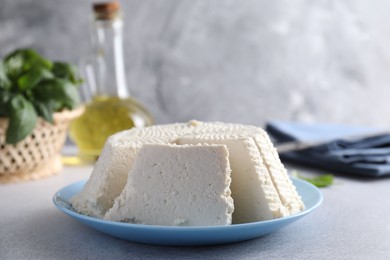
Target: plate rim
x,y
79,216
187,235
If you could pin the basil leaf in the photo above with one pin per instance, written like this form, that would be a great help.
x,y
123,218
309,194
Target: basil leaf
x,y
45,110
58,90
71,95
65,71
23,60
320,181
22,119
5,96
13,64
4,81
32,77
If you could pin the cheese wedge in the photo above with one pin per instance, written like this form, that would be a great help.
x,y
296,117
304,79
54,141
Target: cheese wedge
x,y
109,175
255,196
171,185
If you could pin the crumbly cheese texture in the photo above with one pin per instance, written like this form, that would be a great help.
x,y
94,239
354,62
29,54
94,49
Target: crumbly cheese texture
x,y
261,188
169,185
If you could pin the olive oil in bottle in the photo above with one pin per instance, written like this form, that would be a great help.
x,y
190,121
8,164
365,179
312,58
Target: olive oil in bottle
x,y
111,108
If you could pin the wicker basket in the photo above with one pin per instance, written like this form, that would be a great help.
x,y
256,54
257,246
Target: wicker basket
x,y
38,155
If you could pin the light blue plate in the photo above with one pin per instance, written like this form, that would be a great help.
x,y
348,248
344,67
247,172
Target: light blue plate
x,y
188,236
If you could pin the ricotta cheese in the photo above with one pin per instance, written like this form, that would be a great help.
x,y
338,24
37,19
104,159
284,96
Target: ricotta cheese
x,y
261,188
177,185
255,196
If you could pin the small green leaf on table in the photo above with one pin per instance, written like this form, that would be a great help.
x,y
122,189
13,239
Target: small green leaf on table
x,y
320,181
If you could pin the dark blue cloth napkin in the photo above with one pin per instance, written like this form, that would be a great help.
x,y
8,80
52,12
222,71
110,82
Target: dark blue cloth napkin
x,y
366,156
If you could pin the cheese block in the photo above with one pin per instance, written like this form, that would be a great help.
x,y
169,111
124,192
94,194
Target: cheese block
x,y
110,172
169,185
261,188
255,196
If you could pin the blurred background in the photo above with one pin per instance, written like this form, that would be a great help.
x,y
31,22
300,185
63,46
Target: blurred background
x,y
233,61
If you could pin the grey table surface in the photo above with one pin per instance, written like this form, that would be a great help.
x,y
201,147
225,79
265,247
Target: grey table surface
x,y
352,223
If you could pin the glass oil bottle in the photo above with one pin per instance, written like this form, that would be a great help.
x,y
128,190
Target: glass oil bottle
x,y
111,108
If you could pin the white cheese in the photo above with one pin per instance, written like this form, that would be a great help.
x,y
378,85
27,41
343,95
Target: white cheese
x,y
255,197
260,185
110,172
177,185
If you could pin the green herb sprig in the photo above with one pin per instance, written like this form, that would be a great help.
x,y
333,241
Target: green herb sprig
x,y
320,181
31,87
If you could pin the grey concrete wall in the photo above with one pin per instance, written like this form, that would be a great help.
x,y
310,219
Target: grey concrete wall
x,y
235,61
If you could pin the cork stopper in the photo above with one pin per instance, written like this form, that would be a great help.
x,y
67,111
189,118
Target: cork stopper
x,y
106,10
